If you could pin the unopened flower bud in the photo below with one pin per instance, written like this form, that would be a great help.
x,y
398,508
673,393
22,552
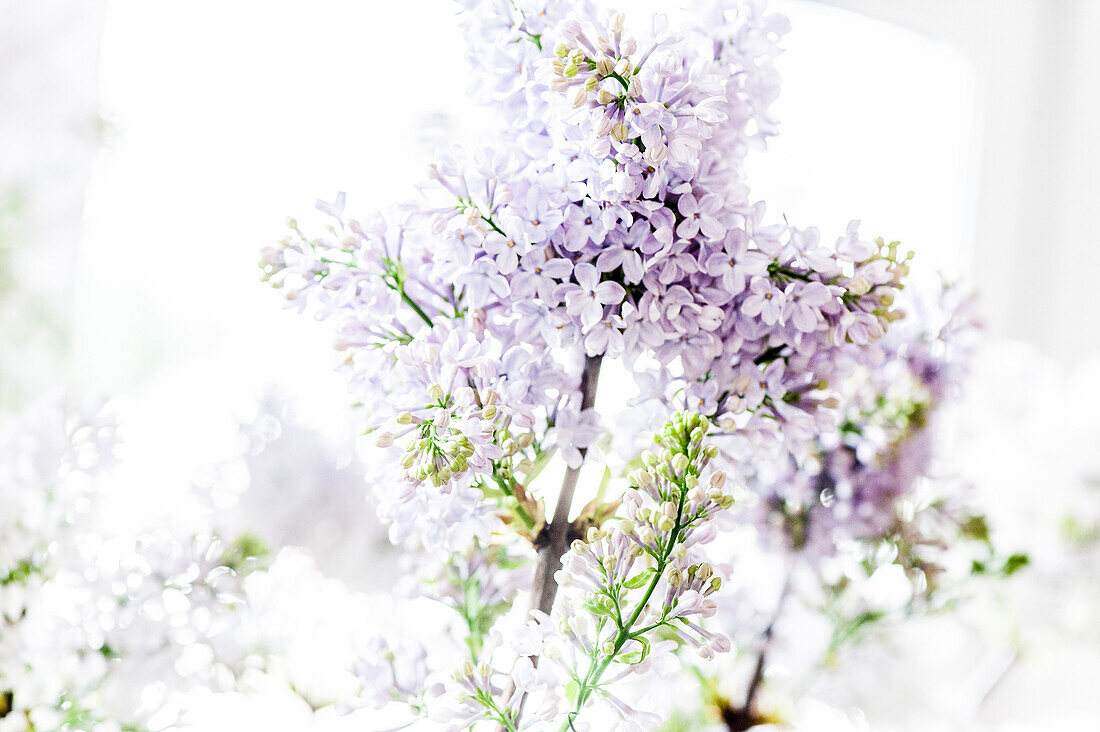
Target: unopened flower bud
x,y
578,96
642,478
605,97
655,154
859,286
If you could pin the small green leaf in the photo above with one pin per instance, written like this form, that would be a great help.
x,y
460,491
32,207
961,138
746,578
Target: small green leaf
x,y
638,580
604,483
977,528
571,691
1015,563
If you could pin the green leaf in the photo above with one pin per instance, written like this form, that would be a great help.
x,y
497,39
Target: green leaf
x,y
540,464
1015,563
601,491
977,528
638,580
571,691
636,657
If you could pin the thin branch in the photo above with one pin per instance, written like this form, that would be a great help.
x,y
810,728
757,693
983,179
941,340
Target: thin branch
x,y
765,643
557,532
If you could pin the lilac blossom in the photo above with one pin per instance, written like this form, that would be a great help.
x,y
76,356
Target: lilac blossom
x,y
610,219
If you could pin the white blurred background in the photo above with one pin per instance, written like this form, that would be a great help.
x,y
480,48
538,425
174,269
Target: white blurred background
x,y
148,150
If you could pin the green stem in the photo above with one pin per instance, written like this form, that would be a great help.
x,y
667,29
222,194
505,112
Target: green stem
x,y
416,308
493,226
595,672
625,84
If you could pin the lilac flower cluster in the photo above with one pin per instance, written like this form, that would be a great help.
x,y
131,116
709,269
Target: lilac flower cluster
x,y
611,219
617,224
51,459
862,524
99,627
459,397
863,479
621,584
479,584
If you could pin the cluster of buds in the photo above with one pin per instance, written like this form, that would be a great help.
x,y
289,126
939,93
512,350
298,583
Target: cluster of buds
x,y
618,570
602,562
688,595
477,697
439,451
513,444
598,73
439,454
677,490
870,292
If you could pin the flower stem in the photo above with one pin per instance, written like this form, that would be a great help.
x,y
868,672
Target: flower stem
x,y
626,631
557,533
765,642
